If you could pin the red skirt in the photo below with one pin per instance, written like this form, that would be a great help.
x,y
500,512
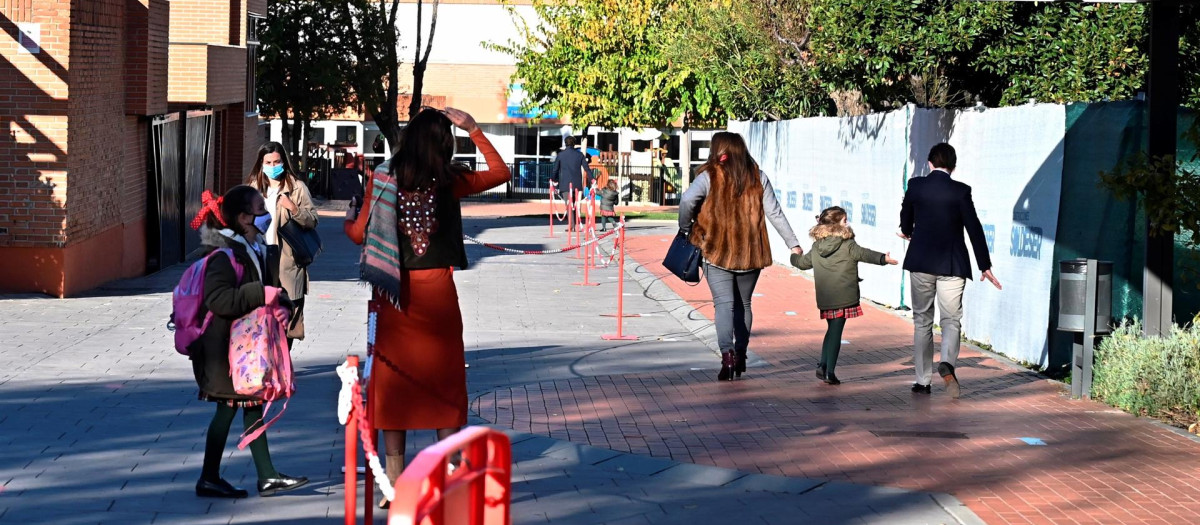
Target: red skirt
x,y
607,213
419,380
848,312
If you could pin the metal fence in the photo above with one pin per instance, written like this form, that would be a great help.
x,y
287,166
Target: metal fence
x,y
334,177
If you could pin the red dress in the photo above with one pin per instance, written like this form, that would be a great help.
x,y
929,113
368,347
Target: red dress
x,y
418,379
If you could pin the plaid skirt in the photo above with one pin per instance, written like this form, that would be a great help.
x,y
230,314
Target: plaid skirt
x,y
848,312
607,213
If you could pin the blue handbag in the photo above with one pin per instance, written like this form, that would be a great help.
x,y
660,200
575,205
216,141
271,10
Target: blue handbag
x,y
683,259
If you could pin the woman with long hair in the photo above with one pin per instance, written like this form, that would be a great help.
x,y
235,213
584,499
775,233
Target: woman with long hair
x,y
724,213
411,231
287,200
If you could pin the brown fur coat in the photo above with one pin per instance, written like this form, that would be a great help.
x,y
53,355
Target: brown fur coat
x,y
731,230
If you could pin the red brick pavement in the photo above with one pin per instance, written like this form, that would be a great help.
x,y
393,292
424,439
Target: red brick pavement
x,y
1098,465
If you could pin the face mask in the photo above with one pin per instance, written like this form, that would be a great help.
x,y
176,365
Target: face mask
x,y
274,172
263,222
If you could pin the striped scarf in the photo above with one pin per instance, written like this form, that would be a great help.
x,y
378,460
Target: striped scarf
x,y
381,259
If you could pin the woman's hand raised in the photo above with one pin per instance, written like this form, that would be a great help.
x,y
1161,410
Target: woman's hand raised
x,y
461,119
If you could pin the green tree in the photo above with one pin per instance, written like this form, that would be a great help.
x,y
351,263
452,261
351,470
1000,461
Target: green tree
x,y
299,74
598,62
366,30
753,53
1070,52
869,54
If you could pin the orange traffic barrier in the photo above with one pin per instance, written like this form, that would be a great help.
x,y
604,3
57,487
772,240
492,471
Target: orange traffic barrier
x,y
620,335
477,492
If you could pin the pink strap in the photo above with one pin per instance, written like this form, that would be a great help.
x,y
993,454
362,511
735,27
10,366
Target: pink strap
x,y
247,438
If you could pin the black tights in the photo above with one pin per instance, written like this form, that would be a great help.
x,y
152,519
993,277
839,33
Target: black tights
x,y
218,432
833,344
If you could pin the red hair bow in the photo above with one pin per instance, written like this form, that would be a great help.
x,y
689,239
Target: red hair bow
x,y
208,206
723,158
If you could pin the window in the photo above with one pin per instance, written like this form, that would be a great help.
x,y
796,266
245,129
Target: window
x,y
347,136
673,147
526,141
464,146
252,24
607,141
642,145
548,144
316,135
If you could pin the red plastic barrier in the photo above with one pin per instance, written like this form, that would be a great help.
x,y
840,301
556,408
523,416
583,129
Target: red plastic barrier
x,y
478,492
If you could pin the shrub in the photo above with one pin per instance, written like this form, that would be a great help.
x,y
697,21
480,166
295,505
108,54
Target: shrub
x,y
1150,376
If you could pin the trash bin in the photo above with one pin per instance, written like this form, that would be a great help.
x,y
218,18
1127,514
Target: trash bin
x,y
1072,295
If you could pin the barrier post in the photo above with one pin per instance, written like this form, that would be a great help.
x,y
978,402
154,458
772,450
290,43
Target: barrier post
x,y
551,195
369,482
578,197
620,336
351,498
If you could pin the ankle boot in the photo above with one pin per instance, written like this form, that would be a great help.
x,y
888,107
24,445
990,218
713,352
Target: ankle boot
x,y
728,364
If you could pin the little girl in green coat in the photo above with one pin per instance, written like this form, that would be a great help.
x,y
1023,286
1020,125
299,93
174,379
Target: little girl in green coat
x,y
834,259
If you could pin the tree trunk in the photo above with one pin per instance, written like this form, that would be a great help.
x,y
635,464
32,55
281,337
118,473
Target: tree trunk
x,y
289,138
414,106
302,162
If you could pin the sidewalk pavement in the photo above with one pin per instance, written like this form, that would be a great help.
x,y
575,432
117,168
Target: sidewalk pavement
x,y
1014,448
99,422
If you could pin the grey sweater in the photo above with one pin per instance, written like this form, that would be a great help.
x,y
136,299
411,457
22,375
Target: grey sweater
x,y
692,198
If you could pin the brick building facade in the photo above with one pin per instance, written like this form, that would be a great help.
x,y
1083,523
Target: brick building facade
x,y
82,163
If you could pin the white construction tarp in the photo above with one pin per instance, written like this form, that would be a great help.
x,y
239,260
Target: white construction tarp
x,y
1011,157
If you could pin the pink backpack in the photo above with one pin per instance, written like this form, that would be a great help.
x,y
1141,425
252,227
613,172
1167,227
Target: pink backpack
x,y
259,361
188,300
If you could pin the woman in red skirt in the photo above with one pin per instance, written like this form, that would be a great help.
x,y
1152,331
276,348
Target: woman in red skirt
x,y
834,259
411,232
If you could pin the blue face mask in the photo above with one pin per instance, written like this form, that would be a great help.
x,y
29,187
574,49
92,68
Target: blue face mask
x,y
263,222
274,172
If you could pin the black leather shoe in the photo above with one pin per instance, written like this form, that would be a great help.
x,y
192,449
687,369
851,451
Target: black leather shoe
x,y
918,388
218,489
283,483
832,380
821,371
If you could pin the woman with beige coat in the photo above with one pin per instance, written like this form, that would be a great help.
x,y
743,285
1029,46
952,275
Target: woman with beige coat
x,y
287,199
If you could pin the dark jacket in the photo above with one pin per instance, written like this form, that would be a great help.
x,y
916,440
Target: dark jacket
x,y
936,209
228,299
608,199
568,169
834,262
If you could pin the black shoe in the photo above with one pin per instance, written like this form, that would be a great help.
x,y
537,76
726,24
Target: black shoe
x,y
218,489
918,388
832,380
821,371
946,370
741,364
283,483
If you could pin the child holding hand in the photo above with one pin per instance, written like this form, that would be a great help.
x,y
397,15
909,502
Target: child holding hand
x,y
834,259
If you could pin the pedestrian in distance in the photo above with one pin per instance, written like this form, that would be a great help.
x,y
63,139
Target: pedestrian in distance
x,y
608,204
935,212
834,259
569,170
236,221
724,213
411,231
287,200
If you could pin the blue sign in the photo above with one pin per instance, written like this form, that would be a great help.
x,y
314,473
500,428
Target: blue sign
x,y
867,216
791,199
826,202
808,202
989,233
516,98
849,207
1026,242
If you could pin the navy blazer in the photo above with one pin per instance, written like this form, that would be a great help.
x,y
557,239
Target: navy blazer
x,y
568,169
936,209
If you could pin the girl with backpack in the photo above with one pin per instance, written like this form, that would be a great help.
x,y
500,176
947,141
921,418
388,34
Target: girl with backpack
x,y
235,222
288,200
411,232
834,259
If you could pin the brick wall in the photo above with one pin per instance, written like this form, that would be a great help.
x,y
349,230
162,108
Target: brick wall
x,y
202,21
477,89
146,33
96,112
33,116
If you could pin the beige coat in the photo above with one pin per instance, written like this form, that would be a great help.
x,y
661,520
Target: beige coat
x,y
293,278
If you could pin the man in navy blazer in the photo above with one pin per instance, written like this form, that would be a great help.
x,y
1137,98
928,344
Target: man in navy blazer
x,y
569,171
936,209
